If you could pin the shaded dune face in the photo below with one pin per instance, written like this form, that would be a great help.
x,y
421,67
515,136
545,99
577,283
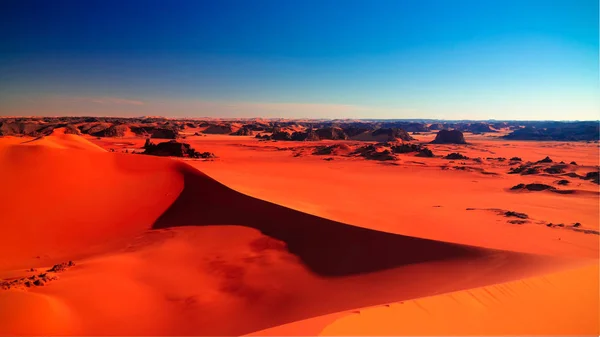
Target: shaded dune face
x,y
327,247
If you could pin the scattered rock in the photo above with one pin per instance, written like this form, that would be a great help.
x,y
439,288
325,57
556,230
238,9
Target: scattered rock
x,y
524,170
545,160
455,155
563,182
516,215
517,222
556,169
577,224
593,176
57,268
426,153
406,148
336,149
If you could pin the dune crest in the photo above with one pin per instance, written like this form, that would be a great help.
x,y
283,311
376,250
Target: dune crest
x,y
61,140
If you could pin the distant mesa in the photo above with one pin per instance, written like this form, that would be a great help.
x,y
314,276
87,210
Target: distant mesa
x,y
281,135
449,137
393,134
557,131
477,128
155,132
309,136
332,133
111,131
219,129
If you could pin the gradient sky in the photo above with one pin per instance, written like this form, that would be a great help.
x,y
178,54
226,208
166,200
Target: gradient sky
x,y
447,59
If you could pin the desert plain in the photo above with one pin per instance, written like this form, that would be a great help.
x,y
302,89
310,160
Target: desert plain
x,y
317,232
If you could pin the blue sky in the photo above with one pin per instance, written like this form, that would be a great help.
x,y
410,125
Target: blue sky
x,y
447,59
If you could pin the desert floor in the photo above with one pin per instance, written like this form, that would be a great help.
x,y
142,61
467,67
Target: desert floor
x,y
269,239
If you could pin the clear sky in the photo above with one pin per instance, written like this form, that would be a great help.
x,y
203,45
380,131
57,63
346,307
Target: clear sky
x,y
447,59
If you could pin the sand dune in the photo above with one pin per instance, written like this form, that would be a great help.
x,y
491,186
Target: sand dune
x,y
563,303
163,249
61,140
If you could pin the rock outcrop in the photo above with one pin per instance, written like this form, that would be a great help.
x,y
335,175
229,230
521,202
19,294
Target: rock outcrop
x,y
449,137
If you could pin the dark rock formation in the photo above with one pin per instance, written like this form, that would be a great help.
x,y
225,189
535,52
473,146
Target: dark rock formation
x,y
515,159
155,132
72,130
20,129
557,131
218,129
405,148
555,169
310,135
455,155
593,176
516,215
173,149
336,149
393,134
57,268
111,131
545,160
476,128
449,137
371,152
426,153
281,135
540,187
332,133
243,131
524,170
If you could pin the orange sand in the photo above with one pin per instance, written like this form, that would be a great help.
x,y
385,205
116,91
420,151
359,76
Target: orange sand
x,y
163,249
